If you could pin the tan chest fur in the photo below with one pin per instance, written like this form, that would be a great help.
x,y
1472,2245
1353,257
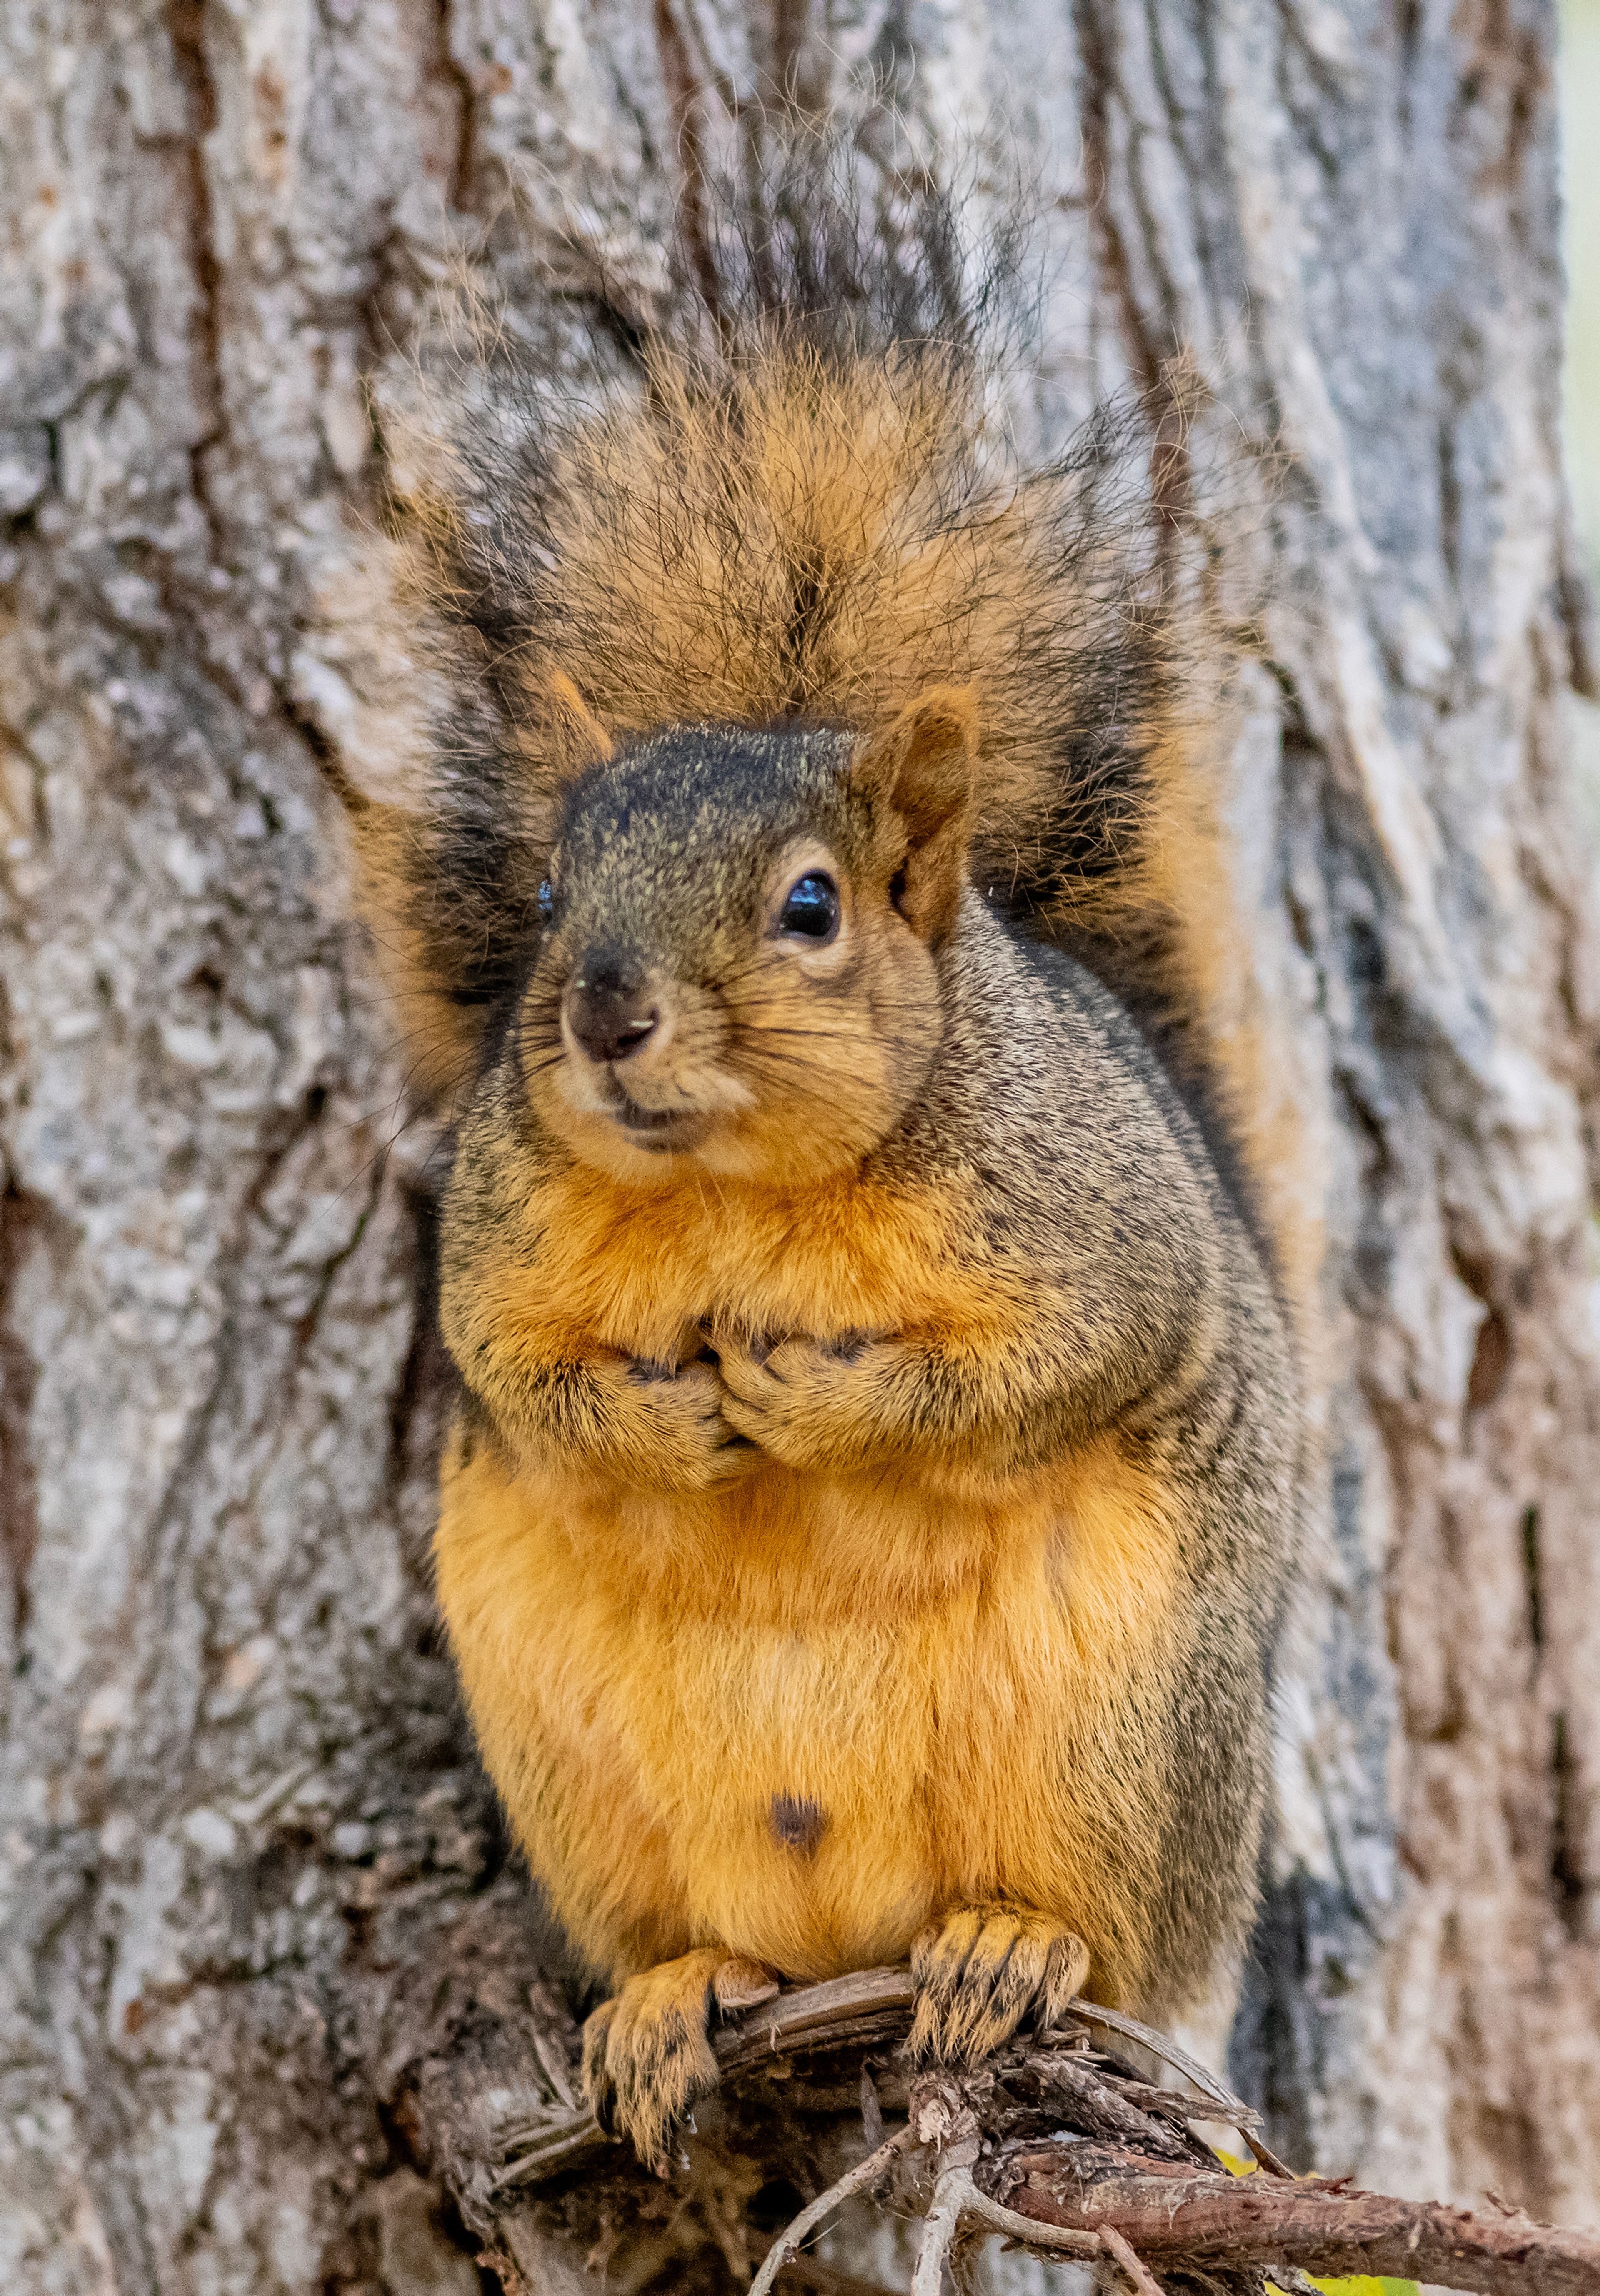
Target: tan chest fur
x,y
638,1270
798,1716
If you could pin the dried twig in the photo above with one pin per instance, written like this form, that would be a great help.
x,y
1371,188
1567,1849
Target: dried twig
x,y
1229,2108
854,2181
1265,2158
939,2233
1142,2281
956,2196
942,2119
1059,2145
808,2271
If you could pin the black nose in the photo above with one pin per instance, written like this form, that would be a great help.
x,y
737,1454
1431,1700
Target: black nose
x,y
609,1007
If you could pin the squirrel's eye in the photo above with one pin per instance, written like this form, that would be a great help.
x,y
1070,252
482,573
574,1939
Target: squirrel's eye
x,y
812,907
544,902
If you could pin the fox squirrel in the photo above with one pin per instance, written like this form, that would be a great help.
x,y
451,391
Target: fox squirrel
x,y
880,1445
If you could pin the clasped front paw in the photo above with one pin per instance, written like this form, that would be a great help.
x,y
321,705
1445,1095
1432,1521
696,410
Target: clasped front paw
x,y
809,1402
678,1437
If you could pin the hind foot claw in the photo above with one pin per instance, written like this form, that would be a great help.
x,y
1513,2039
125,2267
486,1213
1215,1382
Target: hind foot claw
x,y
647,2054
978,1972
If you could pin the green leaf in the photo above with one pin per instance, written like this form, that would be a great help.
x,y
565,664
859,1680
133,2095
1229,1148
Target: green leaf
x,y
1364,2286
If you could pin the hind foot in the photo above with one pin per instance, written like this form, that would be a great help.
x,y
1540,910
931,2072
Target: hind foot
x,y
647,2054
978,1972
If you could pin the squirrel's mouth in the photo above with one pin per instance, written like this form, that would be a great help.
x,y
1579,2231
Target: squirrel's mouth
x,y
657,1129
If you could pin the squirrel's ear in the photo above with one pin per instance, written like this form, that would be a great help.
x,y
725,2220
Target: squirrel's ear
x,y
923,766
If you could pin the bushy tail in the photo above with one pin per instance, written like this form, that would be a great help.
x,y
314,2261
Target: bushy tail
x,y
796,496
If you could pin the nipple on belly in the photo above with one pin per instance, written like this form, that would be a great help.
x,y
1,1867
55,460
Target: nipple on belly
x,y
797,1823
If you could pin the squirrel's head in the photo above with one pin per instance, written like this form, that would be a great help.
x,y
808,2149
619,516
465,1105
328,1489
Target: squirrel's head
x,y
736,967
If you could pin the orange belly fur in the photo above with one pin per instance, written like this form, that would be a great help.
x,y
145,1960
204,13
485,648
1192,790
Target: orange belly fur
x,y
963,1679
950,1686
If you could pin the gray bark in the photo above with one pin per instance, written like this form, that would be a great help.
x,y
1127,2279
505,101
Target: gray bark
x,y
261,1938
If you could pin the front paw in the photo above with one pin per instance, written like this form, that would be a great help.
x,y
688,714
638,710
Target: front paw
x,y
674,1433
647,2054
812,1402
979,1971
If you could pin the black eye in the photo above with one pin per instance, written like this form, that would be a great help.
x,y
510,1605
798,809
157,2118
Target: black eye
x,y
812,907
544,900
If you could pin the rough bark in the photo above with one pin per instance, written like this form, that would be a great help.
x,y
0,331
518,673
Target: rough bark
x,y
260,1926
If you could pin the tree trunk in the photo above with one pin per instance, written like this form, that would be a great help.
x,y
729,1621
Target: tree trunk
x,y
262,1938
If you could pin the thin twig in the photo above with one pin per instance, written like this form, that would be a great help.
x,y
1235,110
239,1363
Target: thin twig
x,y
958,2202
808,2271
1265,2155
1060,2240
866,2172
1142,2281
1230,2109
939,2233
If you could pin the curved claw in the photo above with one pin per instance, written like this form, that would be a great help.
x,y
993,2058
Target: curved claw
x,y
979,1971
647,2053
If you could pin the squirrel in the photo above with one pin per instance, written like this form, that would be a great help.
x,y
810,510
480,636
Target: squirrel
x,y
881,1446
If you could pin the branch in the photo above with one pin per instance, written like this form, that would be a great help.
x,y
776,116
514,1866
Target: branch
x,y
1228,2221
871,2006
1061,2144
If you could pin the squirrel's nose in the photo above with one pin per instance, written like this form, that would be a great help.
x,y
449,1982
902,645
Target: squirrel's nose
x,y
609,1007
